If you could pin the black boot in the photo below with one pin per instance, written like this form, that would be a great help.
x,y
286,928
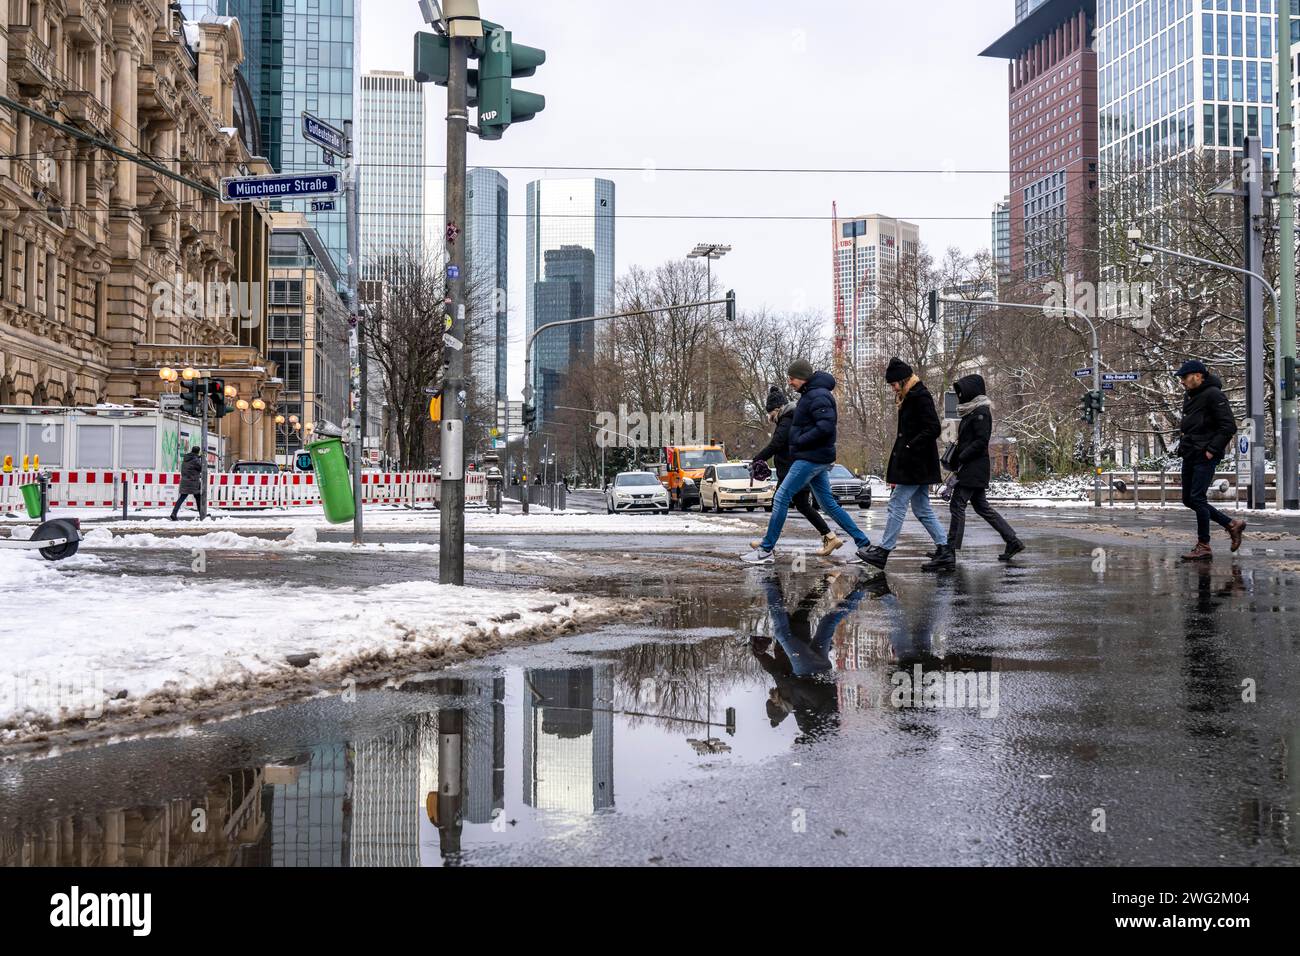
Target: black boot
x,y
873,555
1013,548
945,559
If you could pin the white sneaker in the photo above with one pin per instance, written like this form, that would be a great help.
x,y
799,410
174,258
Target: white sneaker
x,y
830,542
758,556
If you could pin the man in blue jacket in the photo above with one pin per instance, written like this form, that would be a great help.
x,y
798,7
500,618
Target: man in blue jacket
x,y
812,453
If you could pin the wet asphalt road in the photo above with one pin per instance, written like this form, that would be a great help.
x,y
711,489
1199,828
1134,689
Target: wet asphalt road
x,y
1088,710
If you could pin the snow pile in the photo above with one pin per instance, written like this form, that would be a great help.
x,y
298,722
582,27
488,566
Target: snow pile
x,y
77,645
567,522
1068,488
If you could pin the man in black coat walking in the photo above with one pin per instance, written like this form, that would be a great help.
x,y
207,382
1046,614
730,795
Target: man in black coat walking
x,y
1207,430
970,463
191,481
913,464
778,449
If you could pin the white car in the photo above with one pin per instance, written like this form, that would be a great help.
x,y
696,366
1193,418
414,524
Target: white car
x,y
636,491
729,486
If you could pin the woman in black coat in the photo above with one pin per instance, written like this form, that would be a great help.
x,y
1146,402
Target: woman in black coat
x,y
970,463
191,481
778,451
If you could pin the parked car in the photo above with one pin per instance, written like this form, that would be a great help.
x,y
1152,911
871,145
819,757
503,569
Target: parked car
x,y
848,488
255,468
636,491
724,487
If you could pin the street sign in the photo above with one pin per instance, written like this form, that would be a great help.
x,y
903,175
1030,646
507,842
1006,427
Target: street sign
x,y
453,272
253,188
327,157
452,342
1243,445
323,205
1108,386
324,135
1082,372
1120,376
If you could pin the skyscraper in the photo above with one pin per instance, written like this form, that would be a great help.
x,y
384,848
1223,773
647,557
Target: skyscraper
x,y
868,250
1052,83
487,231
1001,238
392,151
567,219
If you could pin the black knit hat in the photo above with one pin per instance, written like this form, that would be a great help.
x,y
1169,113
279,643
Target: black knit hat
x,y
897,371
801,369
775,399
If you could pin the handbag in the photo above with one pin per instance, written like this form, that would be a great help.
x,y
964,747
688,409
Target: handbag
x,y
949,458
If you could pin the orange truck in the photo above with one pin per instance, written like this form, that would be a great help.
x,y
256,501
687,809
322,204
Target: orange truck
x,y
683,467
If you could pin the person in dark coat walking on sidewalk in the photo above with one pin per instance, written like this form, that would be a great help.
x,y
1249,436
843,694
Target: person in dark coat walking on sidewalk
x,y
913,464
191,481
970,464
781,413
1207,430
812,455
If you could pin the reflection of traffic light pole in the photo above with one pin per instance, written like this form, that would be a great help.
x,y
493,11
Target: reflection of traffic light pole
x,y
446,809
530,409
935,299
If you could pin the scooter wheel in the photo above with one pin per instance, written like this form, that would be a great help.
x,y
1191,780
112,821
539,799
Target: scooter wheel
x,y
58,528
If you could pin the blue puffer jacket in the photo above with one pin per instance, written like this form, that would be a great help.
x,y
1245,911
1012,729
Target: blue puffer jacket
x,y
812,433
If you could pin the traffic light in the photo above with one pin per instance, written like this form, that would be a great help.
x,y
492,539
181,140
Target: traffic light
x,y
501,60
194,397
1091,405
731,305
530,415
934,306
433,64
217,392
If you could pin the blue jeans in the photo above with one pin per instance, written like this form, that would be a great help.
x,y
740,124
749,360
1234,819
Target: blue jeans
x,y
805,474
918,498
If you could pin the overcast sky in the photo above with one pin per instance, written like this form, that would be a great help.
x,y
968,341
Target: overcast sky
x,y
868,85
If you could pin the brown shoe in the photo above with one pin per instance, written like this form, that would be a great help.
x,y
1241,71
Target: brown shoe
x,y
1234,532
1201,552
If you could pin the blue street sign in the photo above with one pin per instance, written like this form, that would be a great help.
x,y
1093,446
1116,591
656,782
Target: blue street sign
x,y
1243,445
1120,376
322,205
253,188
1108,386
453,272
323,134
1082,372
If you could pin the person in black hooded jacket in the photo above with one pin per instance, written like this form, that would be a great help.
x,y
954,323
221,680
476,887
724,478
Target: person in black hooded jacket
x,y
1206,430
970,463
777,450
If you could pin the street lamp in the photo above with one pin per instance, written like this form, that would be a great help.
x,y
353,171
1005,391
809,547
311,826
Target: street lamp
x,y
708,251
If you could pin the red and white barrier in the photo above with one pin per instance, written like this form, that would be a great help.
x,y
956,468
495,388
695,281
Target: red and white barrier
x,y
84,488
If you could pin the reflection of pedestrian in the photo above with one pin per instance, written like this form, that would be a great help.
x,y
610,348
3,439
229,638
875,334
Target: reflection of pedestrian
x,y
191,481
970,463
1206,429
913,463
799,663
782,414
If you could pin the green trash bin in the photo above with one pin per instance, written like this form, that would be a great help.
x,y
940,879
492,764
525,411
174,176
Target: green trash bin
x,y
32,499
332,478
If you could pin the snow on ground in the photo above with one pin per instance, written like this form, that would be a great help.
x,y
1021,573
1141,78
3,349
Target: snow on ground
x,y
70,640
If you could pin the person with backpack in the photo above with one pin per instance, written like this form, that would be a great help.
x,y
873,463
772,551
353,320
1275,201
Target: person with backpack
x,y
1207,430
781,414
969,463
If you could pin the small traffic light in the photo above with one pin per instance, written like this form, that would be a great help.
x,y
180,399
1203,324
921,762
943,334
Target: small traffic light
x,y
530,415
731,305
501,60
934,306
217,392
433,65
194,397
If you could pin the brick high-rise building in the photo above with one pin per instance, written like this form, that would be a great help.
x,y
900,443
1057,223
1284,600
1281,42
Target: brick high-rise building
x,y
1052,84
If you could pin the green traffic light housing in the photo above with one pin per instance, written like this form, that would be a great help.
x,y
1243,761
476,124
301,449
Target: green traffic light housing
x,y
731,305
433,64
501,61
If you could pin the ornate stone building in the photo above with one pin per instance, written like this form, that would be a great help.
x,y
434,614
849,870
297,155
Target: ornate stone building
x,y
100,256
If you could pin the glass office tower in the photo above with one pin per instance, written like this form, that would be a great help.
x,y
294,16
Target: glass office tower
x,y
565,219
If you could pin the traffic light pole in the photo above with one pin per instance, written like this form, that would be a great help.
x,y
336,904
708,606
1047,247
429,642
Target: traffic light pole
x,y
203,451
1096,371
451,486
355,343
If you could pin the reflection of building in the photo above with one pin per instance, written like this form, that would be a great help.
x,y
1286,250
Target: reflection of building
x,y
309,814
868,251
576,216
569,740
307,330
386,797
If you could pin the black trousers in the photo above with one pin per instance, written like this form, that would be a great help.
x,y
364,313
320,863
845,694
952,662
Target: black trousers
x,y
975,496
1197,475
803,503
180,500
